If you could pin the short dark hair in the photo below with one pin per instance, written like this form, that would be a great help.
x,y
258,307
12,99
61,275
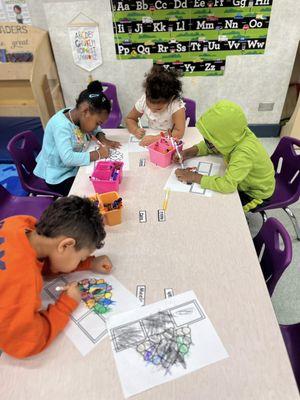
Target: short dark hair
x,y
161,84
95,97
74,217
16,7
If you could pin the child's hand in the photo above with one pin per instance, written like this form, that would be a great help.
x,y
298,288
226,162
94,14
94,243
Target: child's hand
x,y
147,140
139,133
188,175
73,291
104,152
111,143
102,264
177,159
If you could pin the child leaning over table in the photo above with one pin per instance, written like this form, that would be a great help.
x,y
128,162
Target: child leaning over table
x,y
249,168
161,104
60,242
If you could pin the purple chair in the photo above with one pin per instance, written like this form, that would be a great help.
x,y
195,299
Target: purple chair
x,y
291,337
24,149
190,110
287,174
115,116
20,205
273,259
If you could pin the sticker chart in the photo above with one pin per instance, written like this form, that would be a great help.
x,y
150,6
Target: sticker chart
x,y
204,168
102,296
163,341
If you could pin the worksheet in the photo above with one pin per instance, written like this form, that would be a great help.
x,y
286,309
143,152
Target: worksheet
x,y
121,154
133,145
102,297
203,167
163,341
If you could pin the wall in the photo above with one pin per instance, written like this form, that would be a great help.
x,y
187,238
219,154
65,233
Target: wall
x,y
248,80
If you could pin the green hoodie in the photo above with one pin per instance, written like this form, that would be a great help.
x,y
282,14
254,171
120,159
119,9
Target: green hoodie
x,y
249,168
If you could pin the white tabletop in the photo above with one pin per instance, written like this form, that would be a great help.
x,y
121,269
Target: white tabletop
x,y
204,245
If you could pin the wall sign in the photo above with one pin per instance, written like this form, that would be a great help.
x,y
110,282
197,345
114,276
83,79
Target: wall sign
x,y
194,36
85,42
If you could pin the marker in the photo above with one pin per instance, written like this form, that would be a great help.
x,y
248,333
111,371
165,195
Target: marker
x,y
177,151
140,123
166,200
60,288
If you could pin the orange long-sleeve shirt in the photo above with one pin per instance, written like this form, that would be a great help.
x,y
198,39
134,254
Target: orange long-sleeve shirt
x,y
25,329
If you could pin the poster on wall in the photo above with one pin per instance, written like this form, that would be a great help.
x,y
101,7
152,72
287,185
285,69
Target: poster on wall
x,y
194,36
2,13
15,11
85,44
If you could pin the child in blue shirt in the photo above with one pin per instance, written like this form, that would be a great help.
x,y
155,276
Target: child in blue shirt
x,y
67,136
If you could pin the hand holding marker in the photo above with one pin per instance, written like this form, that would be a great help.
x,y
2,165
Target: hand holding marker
x,y
174,144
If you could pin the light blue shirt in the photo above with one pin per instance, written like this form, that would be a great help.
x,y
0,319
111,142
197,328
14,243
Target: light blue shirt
x,y
62,151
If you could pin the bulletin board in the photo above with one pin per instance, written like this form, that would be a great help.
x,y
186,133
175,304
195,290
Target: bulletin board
x,y
194,36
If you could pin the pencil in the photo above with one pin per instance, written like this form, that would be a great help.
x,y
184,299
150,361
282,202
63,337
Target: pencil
x,y
166,200
140,123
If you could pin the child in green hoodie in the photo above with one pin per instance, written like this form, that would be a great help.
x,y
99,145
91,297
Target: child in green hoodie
x,y
249,168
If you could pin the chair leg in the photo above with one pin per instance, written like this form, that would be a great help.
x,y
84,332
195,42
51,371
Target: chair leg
x,y
294,221
264,216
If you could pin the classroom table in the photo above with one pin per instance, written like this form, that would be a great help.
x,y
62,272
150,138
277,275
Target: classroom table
x,y
203,245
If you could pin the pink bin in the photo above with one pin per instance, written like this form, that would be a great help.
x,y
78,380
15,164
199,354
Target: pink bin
x,y
161,152
107,176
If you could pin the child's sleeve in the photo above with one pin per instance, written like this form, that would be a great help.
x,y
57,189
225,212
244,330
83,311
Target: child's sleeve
x,y
176,105
71,158
238,168
31,332
203,149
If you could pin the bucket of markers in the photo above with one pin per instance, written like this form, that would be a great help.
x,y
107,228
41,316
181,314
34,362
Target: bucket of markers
x,y
161,151
110,207
107,176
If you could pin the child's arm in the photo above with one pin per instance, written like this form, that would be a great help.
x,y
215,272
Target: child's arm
x,y
186,154
72,158
238,168
178,119
101,264
100,135
132,123
30,331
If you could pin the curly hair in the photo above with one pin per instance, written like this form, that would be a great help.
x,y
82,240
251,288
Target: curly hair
x,y
162,85
74,217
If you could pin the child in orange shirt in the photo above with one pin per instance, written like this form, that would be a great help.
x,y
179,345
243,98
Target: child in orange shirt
x,y
61,242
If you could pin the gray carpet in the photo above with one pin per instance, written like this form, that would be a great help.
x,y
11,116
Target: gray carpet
x,y
286,297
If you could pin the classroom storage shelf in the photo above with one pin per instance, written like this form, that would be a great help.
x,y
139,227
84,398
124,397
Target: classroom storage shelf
x,y
28,88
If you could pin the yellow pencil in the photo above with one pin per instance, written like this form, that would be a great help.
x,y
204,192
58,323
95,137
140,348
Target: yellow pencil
x,y
165,203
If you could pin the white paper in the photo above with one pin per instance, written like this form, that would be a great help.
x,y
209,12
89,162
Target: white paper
x,y
17,11
120,154
86,328
133,145
162,341
204,168
85,44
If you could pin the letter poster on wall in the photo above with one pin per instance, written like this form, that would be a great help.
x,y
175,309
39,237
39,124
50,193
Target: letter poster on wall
x,y
85,42
194,36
